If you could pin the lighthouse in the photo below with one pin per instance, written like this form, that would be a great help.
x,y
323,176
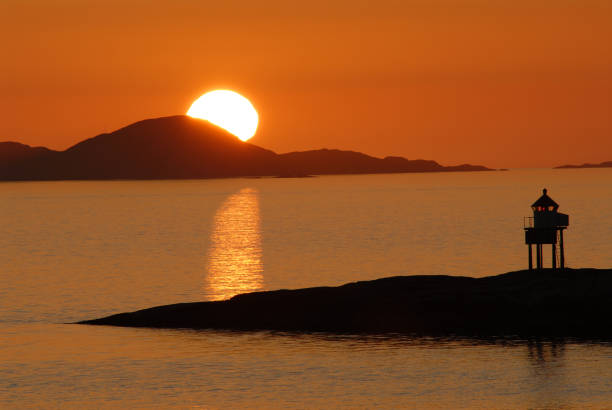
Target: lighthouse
x,y
546,227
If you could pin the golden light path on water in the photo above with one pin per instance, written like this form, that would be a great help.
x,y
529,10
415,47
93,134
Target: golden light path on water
x,y
234,259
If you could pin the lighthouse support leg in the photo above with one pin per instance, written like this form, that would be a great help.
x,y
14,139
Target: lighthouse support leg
x,y
530,258
561,250
538,256
554,256
541,255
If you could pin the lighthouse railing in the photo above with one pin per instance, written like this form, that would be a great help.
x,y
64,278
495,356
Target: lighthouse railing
x,y
528,222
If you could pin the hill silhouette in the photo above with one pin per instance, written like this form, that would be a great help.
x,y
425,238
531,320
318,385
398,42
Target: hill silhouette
x,y
605,164
13,156
556,303
181,147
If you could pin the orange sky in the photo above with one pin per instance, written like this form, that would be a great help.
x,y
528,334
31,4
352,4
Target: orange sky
x,y
514,83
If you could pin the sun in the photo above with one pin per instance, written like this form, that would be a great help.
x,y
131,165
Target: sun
x,y
228,110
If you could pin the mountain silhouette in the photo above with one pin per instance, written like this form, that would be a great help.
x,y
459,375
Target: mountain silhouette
x,y
606,164
181,147
14,151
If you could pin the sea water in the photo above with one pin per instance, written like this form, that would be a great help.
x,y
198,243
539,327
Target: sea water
x,y
78,250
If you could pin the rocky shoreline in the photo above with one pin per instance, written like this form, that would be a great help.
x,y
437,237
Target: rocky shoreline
x,y
552,303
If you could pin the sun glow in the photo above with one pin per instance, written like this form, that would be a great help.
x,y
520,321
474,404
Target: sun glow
x,y
228,110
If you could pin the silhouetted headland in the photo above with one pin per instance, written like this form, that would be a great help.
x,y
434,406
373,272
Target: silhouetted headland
x,y
605,164
555,303
181,147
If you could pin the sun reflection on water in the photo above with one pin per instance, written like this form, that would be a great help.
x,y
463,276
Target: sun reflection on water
x,y
234,260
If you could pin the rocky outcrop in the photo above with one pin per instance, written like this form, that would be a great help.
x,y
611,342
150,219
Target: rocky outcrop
x,y
566,303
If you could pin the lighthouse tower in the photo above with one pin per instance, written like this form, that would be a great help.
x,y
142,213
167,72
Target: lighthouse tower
x,y
546,227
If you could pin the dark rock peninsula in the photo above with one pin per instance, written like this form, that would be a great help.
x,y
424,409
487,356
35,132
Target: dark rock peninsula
x,y
606,164
551,303
181,147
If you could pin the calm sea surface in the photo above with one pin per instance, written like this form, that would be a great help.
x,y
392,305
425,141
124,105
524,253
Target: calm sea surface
x,y
78,250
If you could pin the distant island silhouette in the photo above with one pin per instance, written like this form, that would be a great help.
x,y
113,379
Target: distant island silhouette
x,y
605,164
555,303
181,147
